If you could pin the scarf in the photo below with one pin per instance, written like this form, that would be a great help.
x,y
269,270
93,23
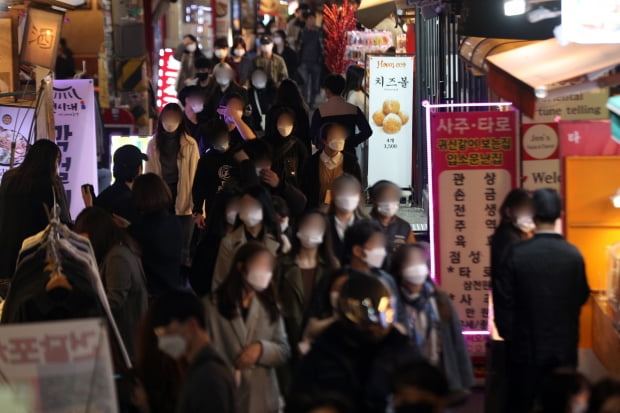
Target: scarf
x,y
423,320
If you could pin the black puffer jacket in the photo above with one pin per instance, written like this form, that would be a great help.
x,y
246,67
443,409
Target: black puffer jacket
x,y
342,361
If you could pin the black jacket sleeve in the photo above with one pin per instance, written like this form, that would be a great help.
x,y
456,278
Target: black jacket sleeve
x,y
365,131
503,298
199,188
295,199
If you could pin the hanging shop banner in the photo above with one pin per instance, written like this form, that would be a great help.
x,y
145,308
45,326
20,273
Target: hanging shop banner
x,y
169,69
581,106
390,94
15,126
66,366
74,117
540,155
473,156
588,138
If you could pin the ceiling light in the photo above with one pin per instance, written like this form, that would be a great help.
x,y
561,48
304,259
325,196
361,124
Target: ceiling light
x,y
515,7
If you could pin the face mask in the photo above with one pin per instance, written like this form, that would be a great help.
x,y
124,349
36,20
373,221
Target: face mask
x,y
375,257
191,47
284,224
310,238
170,126
222,80
198,107
336,145
416,274
277,40
231,217
220,53
348,203
525,223
173,345
259,279
285,131
266,48
252,217
239,52
258,171
334,296
387,209
202,76
259,83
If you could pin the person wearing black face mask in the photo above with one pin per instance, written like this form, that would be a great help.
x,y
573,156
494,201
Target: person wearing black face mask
x,y
356,356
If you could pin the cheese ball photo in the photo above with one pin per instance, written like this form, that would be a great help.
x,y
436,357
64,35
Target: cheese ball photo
x,y
391,106
378,117
403,117
392,123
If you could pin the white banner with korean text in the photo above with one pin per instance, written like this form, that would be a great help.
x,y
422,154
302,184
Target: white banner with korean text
x,y
74,116
390,95
64,366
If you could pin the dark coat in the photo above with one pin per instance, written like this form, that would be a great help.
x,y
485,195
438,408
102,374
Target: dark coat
x,y
341,361
23,214
302,122
540,289
209,385
289,158
116,199
160,238
311,186
504,238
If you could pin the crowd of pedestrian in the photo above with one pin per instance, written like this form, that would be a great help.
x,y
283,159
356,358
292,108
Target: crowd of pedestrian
x,y
249,270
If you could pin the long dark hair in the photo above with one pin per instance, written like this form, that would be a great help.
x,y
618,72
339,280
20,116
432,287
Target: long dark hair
x,y
516,198
289,94
326,248
161,133
271,130
230,293
355,77
216,219
102,231
41,161
271,225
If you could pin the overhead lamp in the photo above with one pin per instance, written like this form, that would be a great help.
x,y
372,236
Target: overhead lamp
x,y
615,199
515,7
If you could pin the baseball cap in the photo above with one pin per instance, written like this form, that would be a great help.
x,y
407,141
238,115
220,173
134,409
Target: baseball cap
x,y
129,156
266,39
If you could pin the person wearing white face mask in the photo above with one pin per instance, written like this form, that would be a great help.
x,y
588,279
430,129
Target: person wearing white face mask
x,y
187,53
385,198
173,155
298,275
178,320
193,100
239,60
220,50
259,223
247,327
261,93
364,247
290,154
274,65
431,320
326,165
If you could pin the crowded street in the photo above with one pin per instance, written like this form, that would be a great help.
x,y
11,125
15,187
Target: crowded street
x,y
317,206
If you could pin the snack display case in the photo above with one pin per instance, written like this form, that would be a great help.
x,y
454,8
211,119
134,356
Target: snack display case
x,y
361,43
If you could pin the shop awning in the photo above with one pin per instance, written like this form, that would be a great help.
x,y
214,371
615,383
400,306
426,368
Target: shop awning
x,y
476,50
547,70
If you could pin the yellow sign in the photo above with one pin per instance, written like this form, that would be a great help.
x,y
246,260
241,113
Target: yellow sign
x,y
581,106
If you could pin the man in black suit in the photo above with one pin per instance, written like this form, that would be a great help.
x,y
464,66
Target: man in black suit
x,y
538,295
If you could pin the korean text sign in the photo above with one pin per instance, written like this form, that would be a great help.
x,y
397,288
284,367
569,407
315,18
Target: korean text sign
x,y
474,161
390,92
67,365
74,117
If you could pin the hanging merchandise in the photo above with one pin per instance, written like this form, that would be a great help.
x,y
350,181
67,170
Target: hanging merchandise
x,y
362,43
57,278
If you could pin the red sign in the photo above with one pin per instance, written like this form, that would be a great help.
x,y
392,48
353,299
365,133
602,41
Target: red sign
x,y
167,83
588,138
473,167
